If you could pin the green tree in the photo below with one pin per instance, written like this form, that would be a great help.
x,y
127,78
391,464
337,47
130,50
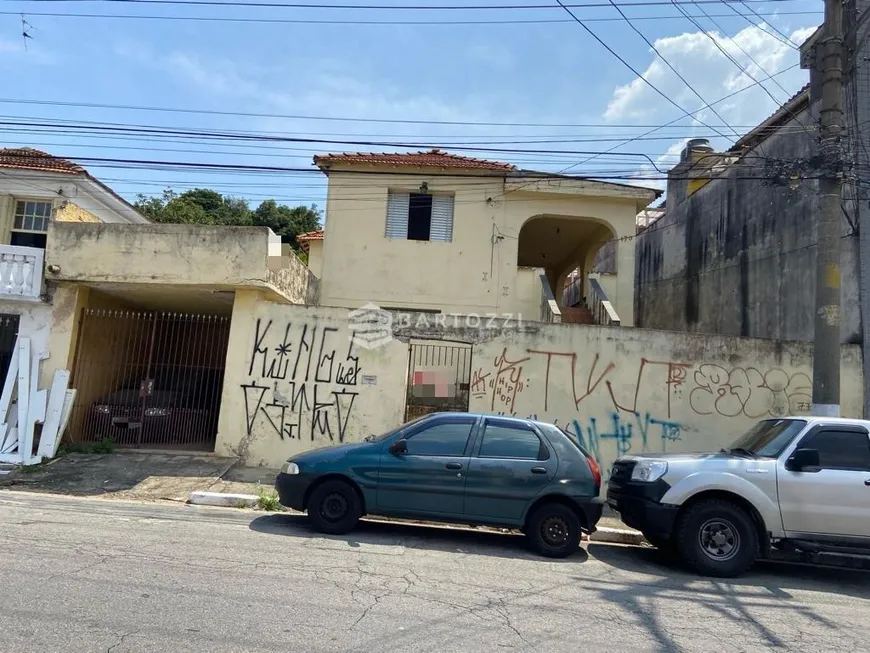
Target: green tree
x,y
287,222
206,206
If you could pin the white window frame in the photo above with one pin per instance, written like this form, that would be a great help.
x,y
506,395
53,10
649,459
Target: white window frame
x,y
19,200
398,210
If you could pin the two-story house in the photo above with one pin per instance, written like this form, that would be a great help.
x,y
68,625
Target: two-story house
x,y
434,231
37,189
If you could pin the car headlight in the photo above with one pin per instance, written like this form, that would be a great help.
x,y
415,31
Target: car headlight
x,y
649,470
290,468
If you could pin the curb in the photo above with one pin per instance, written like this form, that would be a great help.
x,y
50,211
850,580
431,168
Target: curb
x,y
617,536
222,499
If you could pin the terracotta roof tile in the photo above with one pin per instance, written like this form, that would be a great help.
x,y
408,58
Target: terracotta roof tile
x,y
428,159
311,235
26,158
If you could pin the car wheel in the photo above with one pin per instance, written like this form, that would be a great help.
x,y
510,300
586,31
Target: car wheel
x,y
334,507
554,530
717,538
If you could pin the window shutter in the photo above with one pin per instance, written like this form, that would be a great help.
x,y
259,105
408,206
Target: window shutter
x,y
442,218
397,215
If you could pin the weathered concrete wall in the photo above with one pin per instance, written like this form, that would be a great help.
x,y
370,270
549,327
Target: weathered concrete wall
x,y
634,390
294,382
738,257
189,255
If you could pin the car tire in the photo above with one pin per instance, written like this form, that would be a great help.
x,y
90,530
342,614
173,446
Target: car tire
x,y
553,530
334,507
717,538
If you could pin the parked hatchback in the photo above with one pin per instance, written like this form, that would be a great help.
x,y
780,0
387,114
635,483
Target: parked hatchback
x,y
454,467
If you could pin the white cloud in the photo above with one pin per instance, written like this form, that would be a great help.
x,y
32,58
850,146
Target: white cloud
x,y
713,76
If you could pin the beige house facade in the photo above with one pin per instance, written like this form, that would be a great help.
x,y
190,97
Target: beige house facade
x,y
432,231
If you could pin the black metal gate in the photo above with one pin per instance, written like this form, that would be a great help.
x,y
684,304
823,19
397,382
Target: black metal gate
x,y
439,378
8,335
149,379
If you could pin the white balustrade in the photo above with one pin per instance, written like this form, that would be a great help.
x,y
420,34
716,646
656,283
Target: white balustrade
x,y
21,271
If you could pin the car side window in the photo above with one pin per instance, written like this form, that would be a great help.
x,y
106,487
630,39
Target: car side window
x,y
501,441
442,439
847,450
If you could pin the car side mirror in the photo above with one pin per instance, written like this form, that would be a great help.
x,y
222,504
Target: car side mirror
x,y
803,460
399,447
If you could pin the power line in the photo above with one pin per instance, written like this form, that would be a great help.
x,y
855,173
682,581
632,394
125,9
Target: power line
x,y
786,40
304,21
668,64
630,67
369,7
466,123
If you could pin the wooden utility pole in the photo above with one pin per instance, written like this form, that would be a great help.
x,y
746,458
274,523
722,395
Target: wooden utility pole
x,y
826,352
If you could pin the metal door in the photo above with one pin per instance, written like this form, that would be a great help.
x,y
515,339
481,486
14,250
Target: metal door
x,y
149,378
439,376
429,478
834,499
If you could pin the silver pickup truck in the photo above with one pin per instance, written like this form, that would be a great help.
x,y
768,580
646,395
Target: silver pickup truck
x,y
793,484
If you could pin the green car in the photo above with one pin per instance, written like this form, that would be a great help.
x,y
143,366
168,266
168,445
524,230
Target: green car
x,y
454,467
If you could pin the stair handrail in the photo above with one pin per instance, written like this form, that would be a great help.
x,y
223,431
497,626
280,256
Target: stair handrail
x,y
549,307
602,310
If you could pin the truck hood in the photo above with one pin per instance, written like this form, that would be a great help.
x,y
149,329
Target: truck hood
x,y
676,457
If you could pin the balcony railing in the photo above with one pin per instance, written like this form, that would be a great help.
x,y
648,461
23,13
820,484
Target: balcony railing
x,y
21,272
549,308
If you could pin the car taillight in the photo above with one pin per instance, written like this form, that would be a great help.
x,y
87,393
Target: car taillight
x,y
596,471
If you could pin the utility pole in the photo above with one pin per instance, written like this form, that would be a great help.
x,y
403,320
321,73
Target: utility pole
x,y
826,352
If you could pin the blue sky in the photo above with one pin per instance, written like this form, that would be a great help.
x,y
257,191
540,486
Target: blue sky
x,y
551,73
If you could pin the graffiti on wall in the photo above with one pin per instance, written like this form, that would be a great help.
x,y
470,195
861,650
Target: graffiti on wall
x,y
302,381
749,392
641,396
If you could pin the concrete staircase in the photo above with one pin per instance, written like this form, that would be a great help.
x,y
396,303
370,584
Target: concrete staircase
x,y
576,315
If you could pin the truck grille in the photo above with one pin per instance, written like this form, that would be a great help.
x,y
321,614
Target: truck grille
x,y
621,471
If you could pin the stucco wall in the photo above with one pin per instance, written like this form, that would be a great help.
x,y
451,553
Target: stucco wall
x,y
216,257
293,382
477,271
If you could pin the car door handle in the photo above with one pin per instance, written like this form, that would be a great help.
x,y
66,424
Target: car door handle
x,y
454,466
867,481
539,470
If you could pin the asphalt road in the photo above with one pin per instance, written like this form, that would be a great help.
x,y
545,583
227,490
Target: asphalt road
x,y
83,575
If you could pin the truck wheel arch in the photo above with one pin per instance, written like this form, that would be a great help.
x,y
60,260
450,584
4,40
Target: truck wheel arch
x,y
745,504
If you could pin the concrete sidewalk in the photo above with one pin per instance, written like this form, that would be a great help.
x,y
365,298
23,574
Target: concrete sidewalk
x,y
202,479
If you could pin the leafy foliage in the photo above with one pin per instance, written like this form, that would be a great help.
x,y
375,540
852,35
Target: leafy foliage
x,y
208,207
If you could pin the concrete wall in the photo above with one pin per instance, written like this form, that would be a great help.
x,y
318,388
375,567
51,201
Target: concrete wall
x,y
216,257
738,257
476,272
294,382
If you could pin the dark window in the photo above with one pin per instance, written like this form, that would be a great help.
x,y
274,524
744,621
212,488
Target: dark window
x,y
445,439
510,442
27,239
419,216
8,336
840,449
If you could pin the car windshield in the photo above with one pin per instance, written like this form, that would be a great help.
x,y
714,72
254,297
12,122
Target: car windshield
x,y
768,438
384,436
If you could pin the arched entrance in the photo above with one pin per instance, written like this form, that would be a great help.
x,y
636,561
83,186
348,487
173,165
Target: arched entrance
x,y
559,245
